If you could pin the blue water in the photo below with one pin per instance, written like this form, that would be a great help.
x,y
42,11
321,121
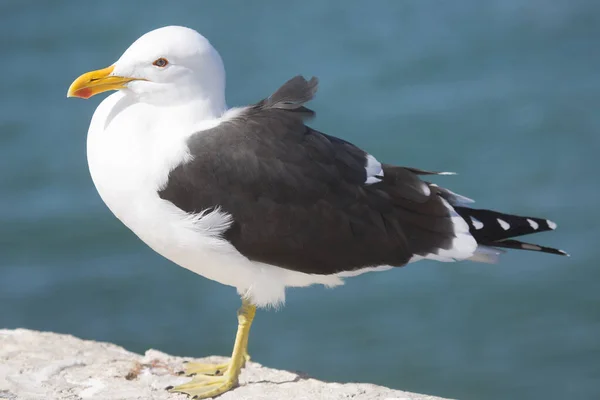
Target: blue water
x,y
506,93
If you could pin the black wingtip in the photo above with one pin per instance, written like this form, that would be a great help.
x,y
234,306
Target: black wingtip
x,y
518,245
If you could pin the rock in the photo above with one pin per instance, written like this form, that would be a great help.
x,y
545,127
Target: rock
x,y
46,366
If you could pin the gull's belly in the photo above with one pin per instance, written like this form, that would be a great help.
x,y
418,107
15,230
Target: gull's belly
x,y
122,179
129,161
132,196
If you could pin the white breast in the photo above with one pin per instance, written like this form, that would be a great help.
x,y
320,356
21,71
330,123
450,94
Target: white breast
x,y
131,149
129,161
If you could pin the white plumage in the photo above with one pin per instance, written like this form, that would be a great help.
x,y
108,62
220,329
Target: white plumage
x,y
374,170
138,135
161,152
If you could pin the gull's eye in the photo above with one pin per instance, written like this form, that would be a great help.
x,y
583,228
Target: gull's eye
x,y
161,62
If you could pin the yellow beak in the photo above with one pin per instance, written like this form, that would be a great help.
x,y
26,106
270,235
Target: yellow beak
x,y
95,82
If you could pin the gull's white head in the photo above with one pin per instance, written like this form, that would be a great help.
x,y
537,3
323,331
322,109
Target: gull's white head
x,y
166,66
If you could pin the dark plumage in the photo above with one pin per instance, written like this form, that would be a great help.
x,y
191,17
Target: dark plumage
x,y
298,197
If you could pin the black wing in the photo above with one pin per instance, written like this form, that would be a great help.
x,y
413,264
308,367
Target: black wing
x,y
298,197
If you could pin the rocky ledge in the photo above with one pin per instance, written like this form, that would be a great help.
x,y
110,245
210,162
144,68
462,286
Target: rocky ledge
x,y
47,366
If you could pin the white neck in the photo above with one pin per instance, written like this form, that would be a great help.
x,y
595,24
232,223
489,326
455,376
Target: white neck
x,y
209,102
199,109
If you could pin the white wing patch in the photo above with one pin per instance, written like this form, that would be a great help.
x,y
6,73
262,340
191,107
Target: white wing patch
x,y
463,245
374,170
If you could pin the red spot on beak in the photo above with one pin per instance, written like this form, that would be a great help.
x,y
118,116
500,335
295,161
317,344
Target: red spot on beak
x,y
84,93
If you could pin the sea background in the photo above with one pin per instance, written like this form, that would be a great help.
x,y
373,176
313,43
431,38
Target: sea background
x,y
505,92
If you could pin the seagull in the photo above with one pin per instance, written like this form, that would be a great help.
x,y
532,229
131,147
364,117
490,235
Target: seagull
x,y
253,198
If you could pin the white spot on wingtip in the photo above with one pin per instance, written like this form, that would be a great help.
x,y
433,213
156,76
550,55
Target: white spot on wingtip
x,y
528,246
533,224
447,173
477,224
551,225
505,225
564,253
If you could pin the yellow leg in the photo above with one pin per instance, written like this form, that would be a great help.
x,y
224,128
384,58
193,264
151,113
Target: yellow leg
x,y
196,368
204,386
